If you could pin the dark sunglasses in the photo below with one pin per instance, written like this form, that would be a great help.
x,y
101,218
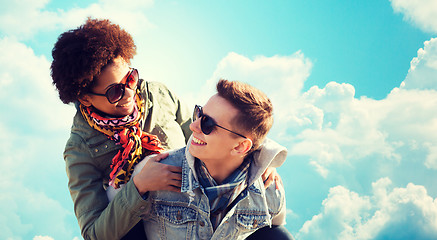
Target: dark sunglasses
x,y
207,123
116,92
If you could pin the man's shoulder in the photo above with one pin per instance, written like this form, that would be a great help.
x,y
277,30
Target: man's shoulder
x,y
175,157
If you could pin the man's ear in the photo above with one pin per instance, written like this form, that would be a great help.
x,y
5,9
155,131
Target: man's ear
x,y
85,100
244,146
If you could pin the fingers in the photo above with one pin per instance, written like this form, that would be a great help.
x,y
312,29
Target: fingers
x,y
266,174
174,169
173,189
177,177
173,176
278,181
159,157
268,181
176,183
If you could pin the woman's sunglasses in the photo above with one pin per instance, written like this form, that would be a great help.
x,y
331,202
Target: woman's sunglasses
x,y
207,123
116,92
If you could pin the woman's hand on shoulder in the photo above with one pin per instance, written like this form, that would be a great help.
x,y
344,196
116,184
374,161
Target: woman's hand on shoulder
x,y
156,176
270,175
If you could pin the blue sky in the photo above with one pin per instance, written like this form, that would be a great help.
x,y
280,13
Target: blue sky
x,y
353,84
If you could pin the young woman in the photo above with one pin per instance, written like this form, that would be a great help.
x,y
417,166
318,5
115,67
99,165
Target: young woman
x,y
120,119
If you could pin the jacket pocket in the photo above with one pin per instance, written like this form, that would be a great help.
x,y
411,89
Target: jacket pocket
x,y
175,214
251,221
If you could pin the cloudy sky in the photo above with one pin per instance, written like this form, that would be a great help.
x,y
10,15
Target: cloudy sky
x,y
354,85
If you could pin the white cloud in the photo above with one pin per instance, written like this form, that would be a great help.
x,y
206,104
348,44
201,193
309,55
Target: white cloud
x,y
423,68
22,19
129,14
34,126
431,159
27,206
280,77
422,13
271,73
21,208
340,209
26,209
43,238
34,18
347,131
27,90
345,128
398,213
49,238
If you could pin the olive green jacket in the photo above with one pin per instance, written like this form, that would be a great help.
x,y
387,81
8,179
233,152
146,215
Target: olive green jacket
x,y
88,155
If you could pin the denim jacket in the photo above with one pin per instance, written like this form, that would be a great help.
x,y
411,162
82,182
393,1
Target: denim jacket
x,y
185,215
88,155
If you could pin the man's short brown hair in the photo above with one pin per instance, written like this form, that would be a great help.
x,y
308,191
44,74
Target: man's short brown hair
x,y
79,56
255,117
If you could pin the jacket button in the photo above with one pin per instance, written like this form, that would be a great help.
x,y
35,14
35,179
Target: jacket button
x,y
96,150
179,215
255,223
202,223
106,146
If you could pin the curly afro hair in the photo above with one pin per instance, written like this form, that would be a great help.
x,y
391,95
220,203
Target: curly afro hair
x,y
81,54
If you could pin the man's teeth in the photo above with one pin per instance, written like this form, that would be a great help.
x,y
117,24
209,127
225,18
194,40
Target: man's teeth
x,y
198,141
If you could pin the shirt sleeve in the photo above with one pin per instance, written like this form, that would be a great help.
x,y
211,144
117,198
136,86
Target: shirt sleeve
x,y
97,218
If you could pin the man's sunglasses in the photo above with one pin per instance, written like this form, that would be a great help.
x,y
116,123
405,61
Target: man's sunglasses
x,y
116,92
207,123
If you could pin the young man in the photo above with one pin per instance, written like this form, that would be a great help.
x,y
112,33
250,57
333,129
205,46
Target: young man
x,y
222,194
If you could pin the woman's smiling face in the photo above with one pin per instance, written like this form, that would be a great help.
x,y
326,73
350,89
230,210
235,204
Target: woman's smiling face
x,y
114,73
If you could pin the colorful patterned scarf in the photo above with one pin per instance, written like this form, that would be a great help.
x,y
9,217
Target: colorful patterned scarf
x,y
221,196
127,132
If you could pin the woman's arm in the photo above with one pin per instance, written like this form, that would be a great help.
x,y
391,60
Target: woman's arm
x,y
97,218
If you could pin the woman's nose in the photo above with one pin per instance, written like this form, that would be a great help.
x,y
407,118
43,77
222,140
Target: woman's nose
x,y
128,93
